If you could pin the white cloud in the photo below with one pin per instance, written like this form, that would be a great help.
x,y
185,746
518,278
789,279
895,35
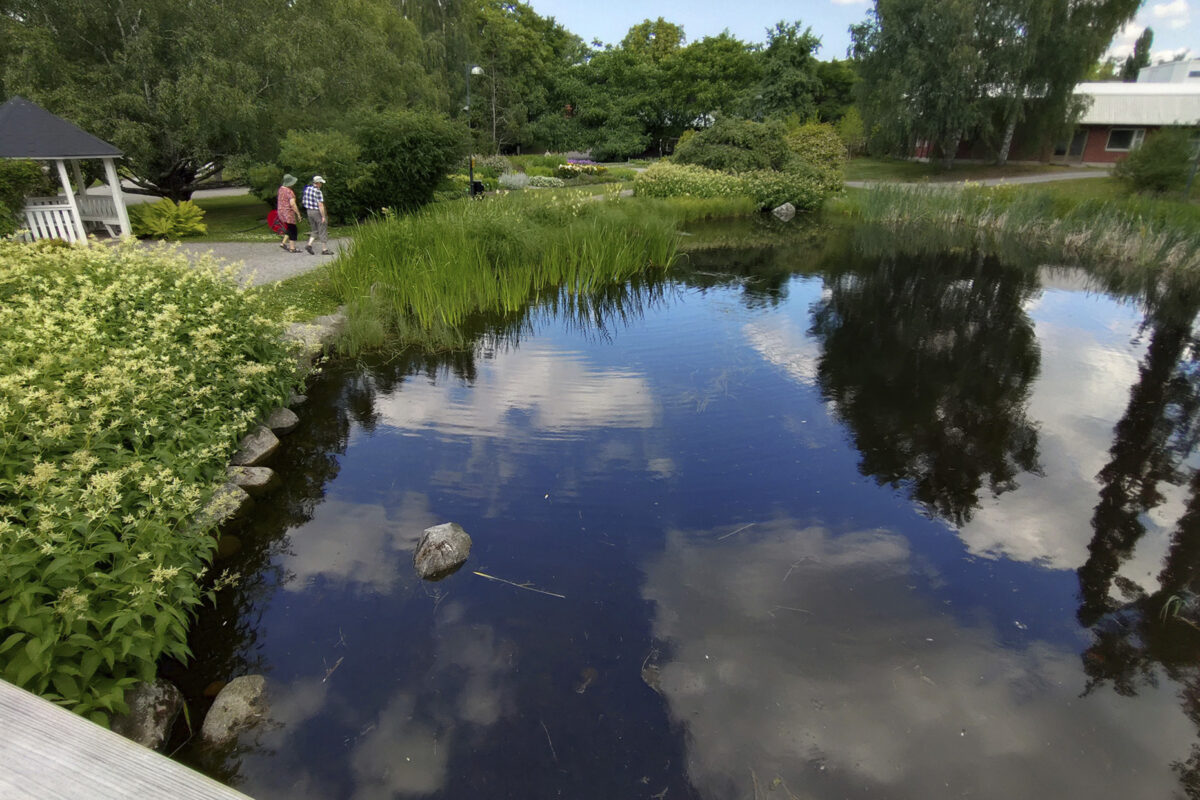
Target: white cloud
x,y
1161,56
1173,10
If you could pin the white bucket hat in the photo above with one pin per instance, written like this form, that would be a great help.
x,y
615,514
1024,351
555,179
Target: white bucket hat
x,y
318,179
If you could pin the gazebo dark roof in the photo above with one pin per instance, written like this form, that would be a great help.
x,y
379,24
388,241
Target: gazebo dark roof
x,y
29,131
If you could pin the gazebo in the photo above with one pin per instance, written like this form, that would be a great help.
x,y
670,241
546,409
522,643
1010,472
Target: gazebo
x,y
29,131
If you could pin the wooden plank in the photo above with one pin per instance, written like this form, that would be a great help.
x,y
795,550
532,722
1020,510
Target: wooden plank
x,y
48,752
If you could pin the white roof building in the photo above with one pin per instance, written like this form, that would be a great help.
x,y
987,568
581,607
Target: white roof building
x,y
1143,104
1171,72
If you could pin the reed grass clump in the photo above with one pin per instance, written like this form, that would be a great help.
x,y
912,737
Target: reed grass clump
x,y
415,279
1130,234
126,379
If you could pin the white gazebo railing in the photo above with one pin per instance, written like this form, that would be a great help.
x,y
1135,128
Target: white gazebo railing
x,y
50,218
44,214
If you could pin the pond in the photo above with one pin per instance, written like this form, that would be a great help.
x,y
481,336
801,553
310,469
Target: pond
x,y
810,521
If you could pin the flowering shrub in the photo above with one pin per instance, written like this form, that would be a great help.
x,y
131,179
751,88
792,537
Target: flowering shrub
x,y
514,180
112,439
768,188
544,182
574,169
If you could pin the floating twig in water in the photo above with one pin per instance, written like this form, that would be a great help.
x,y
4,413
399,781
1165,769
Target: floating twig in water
x,y
739,530
524,586
788,608
331,670
553,754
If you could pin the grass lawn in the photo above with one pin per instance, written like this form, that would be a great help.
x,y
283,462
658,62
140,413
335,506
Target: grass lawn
x,y
887,169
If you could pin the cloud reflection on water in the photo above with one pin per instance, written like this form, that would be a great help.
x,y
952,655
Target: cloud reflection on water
x,y
557,390
813,658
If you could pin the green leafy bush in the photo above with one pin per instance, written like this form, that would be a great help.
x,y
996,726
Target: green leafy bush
x,y
19,179
115,438
818,145
735,145
621,173
333,155
411,151
544,172
1160,165
546,182
768,188
264,181
383,159
167,219
616,143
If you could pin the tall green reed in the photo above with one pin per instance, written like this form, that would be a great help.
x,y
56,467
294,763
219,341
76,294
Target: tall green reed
x,y
414,279
1133,237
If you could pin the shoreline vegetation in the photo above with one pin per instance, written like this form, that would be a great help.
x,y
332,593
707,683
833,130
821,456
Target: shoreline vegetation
x,y
127,377
1133,234
412,280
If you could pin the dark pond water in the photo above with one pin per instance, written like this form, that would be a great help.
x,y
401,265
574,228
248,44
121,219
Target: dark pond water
x,y
802,522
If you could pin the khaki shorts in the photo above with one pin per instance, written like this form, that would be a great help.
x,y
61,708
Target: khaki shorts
x,y
320,231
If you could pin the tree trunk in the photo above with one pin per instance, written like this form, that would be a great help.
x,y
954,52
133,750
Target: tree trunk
x,y
950,149
1006,142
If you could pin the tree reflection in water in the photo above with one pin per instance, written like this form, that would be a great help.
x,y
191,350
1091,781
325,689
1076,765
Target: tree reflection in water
x,y
929,362
1151,632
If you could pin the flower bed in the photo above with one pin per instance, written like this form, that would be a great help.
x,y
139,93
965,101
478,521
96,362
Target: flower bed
x,y
126,379
767,188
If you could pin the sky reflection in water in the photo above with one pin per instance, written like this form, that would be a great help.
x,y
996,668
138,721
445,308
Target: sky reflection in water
x,y
817,533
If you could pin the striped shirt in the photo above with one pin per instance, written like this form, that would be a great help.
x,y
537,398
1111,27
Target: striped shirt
x,y
313,197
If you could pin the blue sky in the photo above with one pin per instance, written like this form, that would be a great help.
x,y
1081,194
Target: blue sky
x,y
1176,23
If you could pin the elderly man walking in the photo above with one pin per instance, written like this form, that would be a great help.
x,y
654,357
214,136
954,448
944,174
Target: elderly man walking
x,y
318,219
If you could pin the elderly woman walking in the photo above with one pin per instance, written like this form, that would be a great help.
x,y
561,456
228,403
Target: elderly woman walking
x,y
289,213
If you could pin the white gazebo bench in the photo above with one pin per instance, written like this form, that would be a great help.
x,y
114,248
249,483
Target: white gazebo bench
x,y
28,131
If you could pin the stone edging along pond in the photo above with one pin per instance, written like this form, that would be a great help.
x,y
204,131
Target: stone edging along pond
x,y
153,708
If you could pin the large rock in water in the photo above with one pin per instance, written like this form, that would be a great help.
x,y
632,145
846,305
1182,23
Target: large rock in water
x,y
442,549
785,212
153,708
239,705
255,447
282,421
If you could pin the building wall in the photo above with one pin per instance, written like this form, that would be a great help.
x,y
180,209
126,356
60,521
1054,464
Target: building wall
x,y
1096,152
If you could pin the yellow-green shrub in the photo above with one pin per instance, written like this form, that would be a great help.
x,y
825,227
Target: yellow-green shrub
x,y
768,188
818,145
167,219
112,440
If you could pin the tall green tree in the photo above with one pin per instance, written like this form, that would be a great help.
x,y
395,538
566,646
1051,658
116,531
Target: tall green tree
x,y
180,93
1139,58
943,70
523,57
790,83
923,72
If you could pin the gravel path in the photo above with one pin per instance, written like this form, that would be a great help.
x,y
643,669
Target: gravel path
x,y
1072,174
267,262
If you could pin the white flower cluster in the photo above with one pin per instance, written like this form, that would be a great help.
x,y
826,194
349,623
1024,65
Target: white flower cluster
x,y
126,380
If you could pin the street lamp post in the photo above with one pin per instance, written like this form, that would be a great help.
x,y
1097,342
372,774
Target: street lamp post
x,y
474,69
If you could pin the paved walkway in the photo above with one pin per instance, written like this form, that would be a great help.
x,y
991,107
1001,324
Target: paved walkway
x,y
267,262
1070,174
